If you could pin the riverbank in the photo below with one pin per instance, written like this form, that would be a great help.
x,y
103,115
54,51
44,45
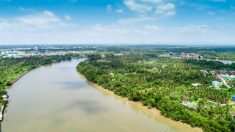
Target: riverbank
x,y
151,112
5,97
33,63
63,101
19,77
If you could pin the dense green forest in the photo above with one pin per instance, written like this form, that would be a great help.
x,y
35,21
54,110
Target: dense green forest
x,y
12,68
220,55
165,83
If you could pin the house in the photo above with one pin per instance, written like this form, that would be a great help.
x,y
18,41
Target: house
x,y
232,77
233,98
228,77
163,66
189,56
118,54
225,77
192,105
232,72
217,84
196,84
221,71
204,71
165,55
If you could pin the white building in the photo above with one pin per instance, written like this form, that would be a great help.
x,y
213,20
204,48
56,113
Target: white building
x,y
196,84
217,84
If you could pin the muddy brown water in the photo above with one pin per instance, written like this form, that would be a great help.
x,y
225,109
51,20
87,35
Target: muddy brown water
x,y
56,98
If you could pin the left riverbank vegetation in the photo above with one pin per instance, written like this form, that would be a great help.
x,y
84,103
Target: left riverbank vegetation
x,y
182,87
11,69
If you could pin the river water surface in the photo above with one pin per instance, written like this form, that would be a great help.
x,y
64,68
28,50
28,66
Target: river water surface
x,y
57,99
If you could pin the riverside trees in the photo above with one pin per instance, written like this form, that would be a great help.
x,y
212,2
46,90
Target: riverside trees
x,y
163,83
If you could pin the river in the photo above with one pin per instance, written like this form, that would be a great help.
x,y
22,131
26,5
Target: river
x,y
56,98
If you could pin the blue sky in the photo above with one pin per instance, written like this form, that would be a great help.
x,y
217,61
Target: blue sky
x,y
117,21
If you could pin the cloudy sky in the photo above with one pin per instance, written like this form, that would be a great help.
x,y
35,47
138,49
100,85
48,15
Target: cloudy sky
x,y
117,21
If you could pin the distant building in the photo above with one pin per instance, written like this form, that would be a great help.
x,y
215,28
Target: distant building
x,y
192,105
103,55
232,72
225,77
200,57
233,98
165,55
163,66
193,56
204,71
118,54
221,72
217,84
196,84
232,77
228,77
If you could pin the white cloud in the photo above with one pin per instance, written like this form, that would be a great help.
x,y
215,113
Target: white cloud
x,y
41,20
26,9
153,1
67,17
152,27
192,29
47,28
4,24
159,7
137,6
45,19
134,20
211,13
167,9
123,34
109,7
119,11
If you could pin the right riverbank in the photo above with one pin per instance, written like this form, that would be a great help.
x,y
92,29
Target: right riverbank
x,y
151,112
164,84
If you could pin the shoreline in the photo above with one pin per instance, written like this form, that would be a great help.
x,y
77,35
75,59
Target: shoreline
x,y
150,112
3,107
19,77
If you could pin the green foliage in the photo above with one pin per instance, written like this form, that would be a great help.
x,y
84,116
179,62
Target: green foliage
x,y
163,83
228,55
211,64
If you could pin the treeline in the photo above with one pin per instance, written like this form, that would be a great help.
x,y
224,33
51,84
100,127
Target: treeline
x,y
223,55
162,83
212,65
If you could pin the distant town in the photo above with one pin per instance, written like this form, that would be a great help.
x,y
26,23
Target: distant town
x,y
39,51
